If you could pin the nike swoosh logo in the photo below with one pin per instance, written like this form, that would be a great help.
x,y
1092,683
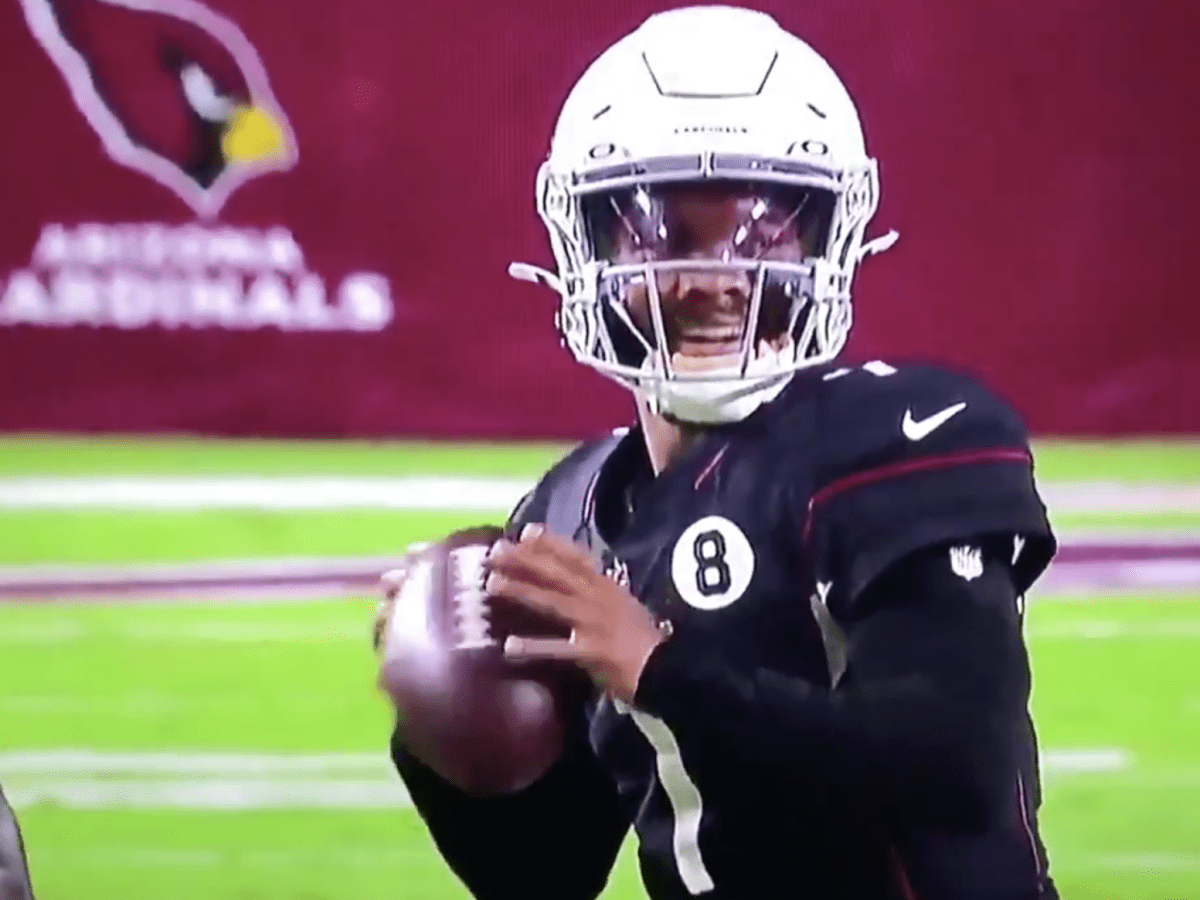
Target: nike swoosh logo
x,y
918,429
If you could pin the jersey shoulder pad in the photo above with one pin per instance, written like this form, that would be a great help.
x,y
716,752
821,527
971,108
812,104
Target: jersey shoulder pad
x,y
909,457
559,497
888,416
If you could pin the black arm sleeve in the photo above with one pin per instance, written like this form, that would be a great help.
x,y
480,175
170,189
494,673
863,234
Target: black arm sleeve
x,y
919,732
556,839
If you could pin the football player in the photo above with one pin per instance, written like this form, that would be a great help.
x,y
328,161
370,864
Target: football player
x,y
14,871
797,585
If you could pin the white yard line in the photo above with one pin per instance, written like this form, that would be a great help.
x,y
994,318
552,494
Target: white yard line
x,y
1164,630
1085,760
1125,536
452,493
90,779
1149,862
214,794
79,763
1078,497
368,857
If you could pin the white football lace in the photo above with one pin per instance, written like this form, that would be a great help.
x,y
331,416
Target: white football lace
x,y
470,600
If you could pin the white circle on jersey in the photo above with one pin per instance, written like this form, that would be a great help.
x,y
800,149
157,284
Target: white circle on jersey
x,y
712,563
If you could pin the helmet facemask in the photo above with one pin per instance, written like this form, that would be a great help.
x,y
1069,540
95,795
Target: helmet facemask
x,y
779,247
704,282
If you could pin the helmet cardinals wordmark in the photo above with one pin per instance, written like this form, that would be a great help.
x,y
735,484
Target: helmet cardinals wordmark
x,y
173,89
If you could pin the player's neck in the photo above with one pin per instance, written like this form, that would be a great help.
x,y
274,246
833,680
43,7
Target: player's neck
x,y
666,441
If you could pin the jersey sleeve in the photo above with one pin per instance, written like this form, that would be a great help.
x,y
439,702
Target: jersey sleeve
x,y
916,458
560,499
924,731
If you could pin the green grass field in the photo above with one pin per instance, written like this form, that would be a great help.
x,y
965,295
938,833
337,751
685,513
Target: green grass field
x,y
225,750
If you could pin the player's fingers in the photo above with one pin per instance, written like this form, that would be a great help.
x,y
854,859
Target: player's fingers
x,y
527,649
532,596
383,616
395,577
571,555
525,562
391,581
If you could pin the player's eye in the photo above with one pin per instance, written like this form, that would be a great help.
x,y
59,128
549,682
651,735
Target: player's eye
x,y
757,221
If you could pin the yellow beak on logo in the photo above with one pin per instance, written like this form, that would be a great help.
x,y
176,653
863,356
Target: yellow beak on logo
x,y
252,135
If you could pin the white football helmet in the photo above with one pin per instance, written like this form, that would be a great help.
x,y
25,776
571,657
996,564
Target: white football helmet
x,y
715,94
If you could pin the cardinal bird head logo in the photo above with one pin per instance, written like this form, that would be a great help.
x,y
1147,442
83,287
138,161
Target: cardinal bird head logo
x,y
174,90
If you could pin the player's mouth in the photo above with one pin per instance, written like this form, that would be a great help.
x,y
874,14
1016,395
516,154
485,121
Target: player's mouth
x,y
711,341
707,353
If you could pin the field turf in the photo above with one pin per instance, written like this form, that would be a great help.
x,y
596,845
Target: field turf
x,y
227,750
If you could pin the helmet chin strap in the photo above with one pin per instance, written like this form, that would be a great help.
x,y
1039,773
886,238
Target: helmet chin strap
x,y
730,397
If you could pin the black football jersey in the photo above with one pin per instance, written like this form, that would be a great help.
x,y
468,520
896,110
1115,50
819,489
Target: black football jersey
x,y
758,546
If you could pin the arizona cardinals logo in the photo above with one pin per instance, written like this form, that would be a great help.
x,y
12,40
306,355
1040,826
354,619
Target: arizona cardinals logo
x,y
173,89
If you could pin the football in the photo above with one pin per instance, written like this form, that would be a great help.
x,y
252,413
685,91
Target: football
x,y
483,723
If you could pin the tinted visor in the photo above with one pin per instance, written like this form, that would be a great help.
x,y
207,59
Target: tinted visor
x,y
723,220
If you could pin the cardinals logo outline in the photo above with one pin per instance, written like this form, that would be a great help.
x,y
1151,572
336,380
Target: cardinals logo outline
x,y
224,129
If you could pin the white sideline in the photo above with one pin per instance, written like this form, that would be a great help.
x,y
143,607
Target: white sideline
x,y
451,493
214,794
265,493
1077,497
171,573
77,763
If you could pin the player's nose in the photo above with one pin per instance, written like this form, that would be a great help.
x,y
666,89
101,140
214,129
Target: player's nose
x,y
725,285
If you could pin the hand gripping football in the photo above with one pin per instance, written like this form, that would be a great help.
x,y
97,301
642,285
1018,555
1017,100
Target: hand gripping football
x,y
483,723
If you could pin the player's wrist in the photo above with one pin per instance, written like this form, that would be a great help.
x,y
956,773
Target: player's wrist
x,y
671,661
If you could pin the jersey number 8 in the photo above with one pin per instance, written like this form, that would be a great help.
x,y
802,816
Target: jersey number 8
x,y
712,563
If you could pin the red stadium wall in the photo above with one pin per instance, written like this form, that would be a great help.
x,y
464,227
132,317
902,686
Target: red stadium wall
x,y
1037,160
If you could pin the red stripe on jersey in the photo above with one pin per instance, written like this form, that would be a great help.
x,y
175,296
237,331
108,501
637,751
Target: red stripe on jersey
x,y
924,464
708,470
906,888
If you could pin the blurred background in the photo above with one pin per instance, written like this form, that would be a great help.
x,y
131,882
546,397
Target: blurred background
x,y
256,335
